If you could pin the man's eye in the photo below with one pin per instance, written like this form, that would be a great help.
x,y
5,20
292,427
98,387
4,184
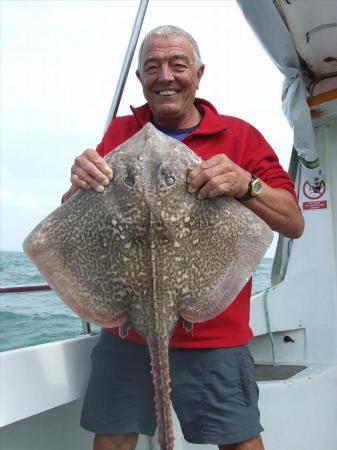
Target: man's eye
x,y
179,67
150,69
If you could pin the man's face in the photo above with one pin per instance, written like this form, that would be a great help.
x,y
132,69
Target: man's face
x,y
170,79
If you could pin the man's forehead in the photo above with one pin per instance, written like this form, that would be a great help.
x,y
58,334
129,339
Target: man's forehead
x,y
172,45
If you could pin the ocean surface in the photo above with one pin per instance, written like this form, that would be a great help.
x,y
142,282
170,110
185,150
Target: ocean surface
x,y
39,317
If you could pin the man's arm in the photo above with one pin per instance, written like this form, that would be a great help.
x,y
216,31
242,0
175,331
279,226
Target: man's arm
x,y
221,176
214,177
279,210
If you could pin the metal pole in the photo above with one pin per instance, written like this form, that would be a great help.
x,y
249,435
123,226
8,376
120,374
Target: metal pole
x,y
24,288
86,327
34,288
127,61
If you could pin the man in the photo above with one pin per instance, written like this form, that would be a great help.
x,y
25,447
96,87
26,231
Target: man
x,y
214,391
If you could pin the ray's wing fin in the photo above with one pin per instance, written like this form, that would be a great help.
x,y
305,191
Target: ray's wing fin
x,y
75,250
228,244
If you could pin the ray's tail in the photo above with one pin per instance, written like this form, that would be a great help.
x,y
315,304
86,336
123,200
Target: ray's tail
x,y
161,379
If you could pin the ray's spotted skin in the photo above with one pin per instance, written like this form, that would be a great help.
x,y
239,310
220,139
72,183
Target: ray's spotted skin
x,y
146,253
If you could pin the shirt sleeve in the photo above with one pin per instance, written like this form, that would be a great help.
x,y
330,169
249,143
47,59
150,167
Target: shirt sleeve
x,y
262,161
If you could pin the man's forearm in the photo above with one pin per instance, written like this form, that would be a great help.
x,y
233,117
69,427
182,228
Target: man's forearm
x,y
279,210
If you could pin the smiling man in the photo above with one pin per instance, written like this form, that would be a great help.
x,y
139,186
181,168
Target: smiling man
x,y
214,391
170,76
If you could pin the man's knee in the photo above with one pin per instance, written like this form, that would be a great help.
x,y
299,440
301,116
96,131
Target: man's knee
x,y
252,444
115,442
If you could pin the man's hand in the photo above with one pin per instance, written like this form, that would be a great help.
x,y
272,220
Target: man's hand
x,y
221,176
89,171
218,176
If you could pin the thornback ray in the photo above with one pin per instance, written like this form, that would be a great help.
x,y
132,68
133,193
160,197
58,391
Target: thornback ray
x,y
147,253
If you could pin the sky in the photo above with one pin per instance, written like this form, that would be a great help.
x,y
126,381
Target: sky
x,y
60,62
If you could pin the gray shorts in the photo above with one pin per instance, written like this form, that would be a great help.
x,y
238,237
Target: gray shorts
x,y
214,392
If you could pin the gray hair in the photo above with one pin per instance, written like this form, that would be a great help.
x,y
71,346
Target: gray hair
x,y
168,30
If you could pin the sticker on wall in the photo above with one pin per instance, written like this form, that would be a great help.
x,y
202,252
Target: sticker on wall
x,y
314,194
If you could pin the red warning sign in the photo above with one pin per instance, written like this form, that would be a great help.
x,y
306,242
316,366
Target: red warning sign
x,y
314,193
321,204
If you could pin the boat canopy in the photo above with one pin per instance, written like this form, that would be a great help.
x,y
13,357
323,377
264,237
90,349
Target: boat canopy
x,y
269,24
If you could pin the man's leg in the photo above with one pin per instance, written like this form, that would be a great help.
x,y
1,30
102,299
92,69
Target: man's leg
x,y
215,395
252,444
119,400
116,442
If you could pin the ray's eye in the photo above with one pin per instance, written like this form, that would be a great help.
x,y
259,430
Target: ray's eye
x,y
168,177
130,179
169,181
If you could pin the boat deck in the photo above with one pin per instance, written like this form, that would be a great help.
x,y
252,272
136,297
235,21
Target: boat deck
x,y
266,372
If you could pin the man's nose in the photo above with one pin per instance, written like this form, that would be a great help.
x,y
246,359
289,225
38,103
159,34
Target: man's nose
x,y
166,73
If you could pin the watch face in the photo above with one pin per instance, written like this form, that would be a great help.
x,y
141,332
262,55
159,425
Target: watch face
x,y
256,187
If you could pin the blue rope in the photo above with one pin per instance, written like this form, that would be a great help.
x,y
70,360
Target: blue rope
x,y
267,316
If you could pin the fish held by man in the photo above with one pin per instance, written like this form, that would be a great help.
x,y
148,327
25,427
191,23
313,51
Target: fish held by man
x,y
146,253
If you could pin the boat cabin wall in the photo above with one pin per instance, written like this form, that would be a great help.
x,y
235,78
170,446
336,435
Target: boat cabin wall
x,y
303,307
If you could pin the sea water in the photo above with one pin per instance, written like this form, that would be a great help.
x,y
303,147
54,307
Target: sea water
x,y
38,317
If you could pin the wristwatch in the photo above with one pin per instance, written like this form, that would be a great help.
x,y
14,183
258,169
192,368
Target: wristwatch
x,y
254,188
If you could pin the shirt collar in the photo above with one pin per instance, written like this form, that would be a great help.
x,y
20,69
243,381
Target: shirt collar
x,y
210,123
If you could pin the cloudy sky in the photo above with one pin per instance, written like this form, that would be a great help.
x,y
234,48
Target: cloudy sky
x,y
60,64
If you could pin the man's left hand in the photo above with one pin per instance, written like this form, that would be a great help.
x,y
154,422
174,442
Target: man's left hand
x,y
218,176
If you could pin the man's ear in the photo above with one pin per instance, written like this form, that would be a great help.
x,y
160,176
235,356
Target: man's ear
x,y
200,73
139,75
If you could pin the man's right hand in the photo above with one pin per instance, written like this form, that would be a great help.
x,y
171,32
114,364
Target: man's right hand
x,y
89,171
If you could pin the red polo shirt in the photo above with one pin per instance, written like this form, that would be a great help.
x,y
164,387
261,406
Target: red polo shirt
x,y
245,146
